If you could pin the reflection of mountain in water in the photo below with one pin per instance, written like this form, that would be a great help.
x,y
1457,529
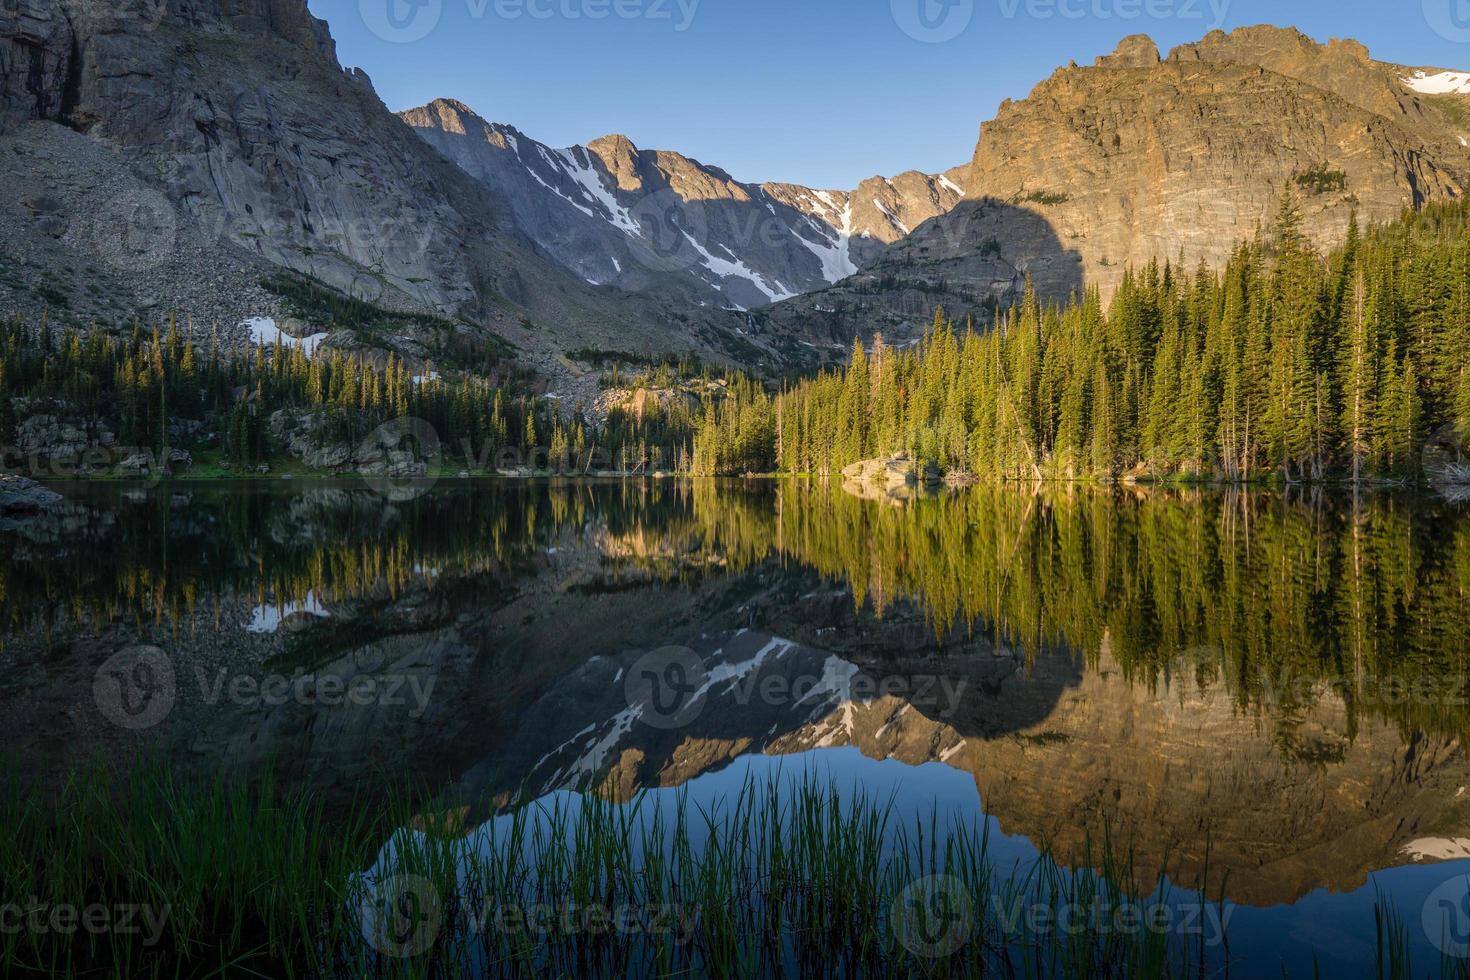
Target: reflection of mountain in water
x,y
1285,805
757,693
519,610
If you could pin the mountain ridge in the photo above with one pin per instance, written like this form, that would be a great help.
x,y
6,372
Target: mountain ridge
x,y
236,131
658,220
231,134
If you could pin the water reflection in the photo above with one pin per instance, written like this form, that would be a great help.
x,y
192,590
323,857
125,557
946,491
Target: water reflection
x,y
1279,680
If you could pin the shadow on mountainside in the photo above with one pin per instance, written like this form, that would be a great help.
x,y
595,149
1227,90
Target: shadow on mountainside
x,y
972,261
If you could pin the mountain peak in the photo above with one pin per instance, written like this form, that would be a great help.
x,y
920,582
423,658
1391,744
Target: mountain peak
x,y
613,144
620,156
1252,45
451,105
1134,51
450,115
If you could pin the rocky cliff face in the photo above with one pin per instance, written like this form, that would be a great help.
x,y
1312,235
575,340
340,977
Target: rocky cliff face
x,y
217,140
658,221
1139,157
163,155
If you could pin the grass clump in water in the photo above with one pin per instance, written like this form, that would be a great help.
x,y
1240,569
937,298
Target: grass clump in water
x,y
786,877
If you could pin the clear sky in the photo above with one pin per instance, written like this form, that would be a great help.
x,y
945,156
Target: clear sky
x,y
818,92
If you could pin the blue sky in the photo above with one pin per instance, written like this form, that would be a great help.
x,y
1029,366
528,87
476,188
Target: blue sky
x,y
819,92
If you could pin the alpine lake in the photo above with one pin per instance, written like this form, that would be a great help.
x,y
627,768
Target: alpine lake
x,y
763,727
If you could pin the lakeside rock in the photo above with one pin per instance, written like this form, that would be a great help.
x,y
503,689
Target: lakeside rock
x,y
893,478
22,497
899,470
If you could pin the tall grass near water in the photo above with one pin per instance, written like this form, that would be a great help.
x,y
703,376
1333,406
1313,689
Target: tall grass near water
x,y
786,877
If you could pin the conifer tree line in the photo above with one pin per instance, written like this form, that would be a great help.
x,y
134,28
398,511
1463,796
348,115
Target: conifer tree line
x,y
138,387
1285,364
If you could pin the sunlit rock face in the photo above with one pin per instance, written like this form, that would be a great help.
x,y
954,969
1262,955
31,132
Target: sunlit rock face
x,y
1139,158
1142,157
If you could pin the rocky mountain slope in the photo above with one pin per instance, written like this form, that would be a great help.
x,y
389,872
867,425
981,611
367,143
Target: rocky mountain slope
x,y
1139,157
170,155
163,156
658,221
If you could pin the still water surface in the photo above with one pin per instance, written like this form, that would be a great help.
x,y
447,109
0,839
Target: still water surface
x,y
1262,695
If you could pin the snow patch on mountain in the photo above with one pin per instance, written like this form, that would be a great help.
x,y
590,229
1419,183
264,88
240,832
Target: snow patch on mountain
x,y
265,333
835,218
725,268
540,180
891,216
1437,849
591,182
1441,83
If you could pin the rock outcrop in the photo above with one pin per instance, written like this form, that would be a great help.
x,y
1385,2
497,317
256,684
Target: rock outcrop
x,y
1139,160
22,498
893,479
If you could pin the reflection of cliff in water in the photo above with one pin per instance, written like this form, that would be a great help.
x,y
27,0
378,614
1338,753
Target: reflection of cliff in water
x,y
1285,804
1058,681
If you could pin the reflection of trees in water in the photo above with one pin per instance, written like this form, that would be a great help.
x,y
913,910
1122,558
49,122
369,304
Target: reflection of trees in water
x,y
1277,598
148,557
1273,596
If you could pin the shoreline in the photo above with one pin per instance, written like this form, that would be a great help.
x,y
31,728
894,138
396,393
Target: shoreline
x,y
610,476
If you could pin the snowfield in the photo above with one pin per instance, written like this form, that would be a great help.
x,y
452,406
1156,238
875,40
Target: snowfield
x,y
1444,83
264,332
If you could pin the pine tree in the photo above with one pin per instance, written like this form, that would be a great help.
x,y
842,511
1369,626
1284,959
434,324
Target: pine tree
x,y
1462,408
